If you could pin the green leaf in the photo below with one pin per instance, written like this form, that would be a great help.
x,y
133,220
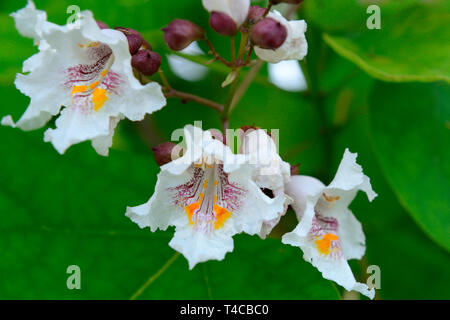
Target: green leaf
x,y
67,210
410,129
412,44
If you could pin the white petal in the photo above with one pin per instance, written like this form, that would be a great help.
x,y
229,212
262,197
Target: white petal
x,y
270,170
336,270
160,212
236,9
350,177
305,191
294,47
199,247
73,127
29,21
102,144
256,208
351,234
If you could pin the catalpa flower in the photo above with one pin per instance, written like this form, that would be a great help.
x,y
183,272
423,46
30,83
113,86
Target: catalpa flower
x,y
294,46
328,233
271,173
209,195
82,73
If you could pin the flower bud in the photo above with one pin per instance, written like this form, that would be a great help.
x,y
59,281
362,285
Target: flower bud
x,y
255,13
294,170
181,33
134,38
163,153
223,24
268,34
102,25
147,62
286,1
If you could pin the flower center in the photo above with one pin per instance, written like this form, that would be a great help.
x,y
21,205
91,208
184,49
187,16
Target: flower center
x,y
93,82
208,198
324,234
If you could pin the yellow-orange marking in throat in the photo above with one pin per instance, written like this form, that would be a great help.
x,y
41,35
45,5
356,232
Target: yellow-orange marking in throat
x,y
99,98
222,215
190,209
77,89
330,199
324,244
94,84
205,184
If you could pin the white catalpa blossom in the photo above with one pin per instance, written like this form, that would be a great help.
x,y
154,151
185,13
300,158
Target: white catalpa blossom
x,y
235,9
271,173
294,47
208,195
328,233
82,73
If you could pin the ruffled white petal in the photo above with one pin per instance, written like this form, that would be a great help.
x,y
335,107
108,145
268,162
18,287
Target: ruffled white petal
x,y
236,9
295,47
350,176
336,270
198,247
73,127
29,21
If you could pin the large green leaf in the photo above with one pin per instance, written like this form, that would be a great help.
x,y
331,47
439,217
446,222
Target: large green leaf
x,y
66,210
412,44
409,125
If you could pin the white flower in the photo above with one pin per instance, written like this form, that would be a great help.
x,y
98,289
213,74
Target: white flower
x,y
270,173
328,232
294,47
208,195
236,9
84,74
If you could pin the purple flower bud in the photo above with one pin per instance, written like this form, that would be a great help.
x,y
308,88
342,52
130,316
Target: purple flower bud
x,y
163,153
223,24
286,1
268,34
147,62
294,170
255,13
181,33
134,38
102,25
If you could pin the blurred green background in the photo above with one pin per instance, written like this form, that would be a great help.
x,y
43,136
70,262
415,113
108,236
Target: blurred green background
x,y
382,93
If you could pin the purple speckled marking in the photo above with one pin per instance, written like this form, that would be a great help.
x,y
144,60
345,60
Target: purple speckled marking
x,y
322,225
88,74
229,195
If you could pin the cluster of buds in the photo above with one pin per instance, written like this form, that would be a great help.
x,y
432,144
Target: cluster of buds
x,y
143,59
272,36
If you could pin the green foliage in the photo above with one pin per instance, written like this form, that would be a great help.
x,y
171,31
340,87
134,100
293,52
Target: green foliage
x,y
412,120
412,44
